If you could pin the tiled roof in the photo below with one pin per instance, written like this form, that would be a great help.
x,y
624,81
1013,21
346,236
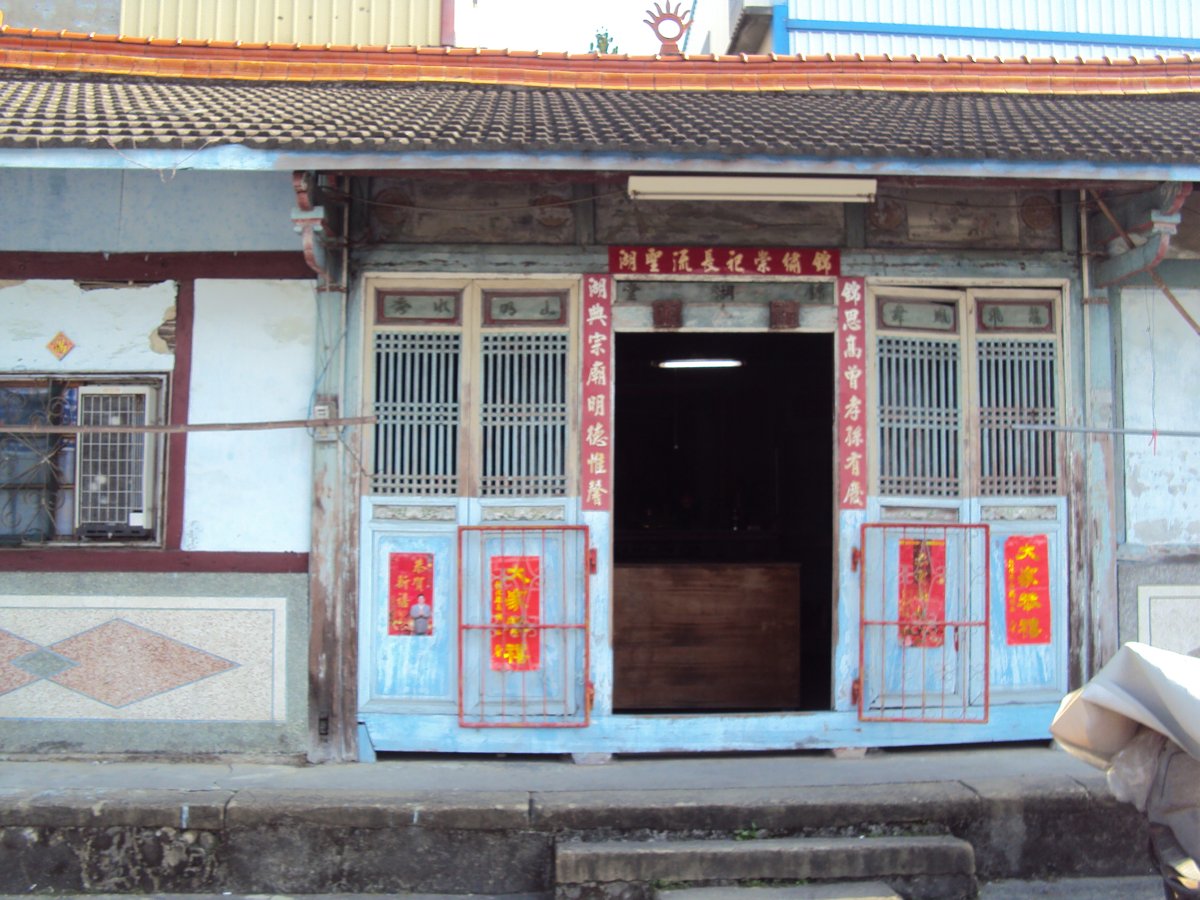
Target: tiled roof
x,y
70,91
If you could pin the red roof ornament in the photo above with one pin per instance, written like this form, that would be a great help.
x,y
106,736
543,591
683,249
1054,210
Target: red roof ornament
x,y
669,26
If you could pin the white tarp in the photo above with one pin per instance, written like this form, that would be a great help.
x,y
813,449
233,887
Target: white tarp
x,y
1139,720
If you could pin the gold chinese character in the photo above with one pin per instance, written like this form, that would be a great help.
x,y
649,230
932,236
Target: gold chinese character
x,y
853,463
420,564
1030,628
1027,577
1026,551
823,261
597,374
597,315
851,292
627,260
652,257
709,264
853,408
597,463
793,263
597,405
762,262
734,263
596,436
597,288
853,495
852,350
854,436
596,492
852,374
851,320
1028,600
680,260
597,341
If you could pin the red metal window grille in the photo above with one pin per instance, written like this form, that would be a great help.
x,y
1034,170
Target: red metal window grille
x,y
523,605
924,623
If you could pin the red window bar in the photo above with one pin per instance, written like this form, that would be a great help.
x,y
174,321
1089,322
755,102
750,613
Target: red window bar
x,y
523,606
923,640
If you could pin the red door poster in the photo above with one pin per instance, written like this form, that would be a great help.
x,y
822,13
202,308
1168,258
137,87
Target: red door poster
x,y
1027,589
922,612
516,613
410,593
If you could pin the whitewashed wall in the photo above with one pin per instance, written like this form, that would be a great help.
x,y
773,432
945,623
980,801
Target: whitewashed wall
x,y
252,360
112,328
1160,371
145,212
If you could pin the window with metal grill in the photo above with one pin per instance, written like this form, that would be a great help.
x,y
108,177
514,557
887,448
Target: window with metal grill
x,y
967,393
471,398
94,485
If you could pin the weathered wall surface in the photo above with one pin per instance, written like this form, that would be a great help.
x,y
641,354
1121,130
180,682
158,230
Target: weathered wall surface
x,y
114,328
121,663
252,361
1160,367
146,212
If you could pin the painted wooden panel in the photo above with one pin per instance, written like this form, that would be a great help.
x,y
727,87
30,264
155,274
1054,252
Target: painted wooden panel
x,y
284,21
620,220
413,672
706,636
471,211
996,220
1033,671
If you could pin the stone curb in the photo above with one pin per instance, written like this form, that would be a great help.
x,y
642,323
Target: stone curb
x,y
470,811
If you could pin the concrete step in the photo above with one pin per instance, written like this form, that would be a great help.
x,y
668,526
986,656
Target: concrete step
x,y
842,890
928,867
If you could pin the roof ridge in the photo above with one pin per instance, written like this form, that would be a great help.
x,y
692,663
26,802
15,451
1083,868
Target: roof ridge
x,y
45,34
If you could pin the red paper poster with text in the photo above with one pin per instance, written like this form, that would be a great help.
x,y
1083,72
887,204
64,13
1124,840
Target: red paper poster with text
x,y
517,607
1027,589
922,593
410,584
596,440
851,395
720,261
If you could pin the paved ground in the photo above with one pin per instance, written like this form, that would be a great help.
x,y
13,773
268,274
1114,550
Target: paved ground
x,y
448,773
455,778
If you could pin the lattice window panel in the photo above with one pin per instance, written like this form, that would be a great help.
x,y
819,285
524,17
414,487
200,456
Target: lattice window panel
x,y
919,417
524,415
417,386
1017,387
112,466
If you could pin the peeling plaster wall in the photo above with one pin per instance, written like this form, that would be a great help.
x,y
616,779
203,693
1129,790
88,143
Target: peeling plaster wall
x,y
114,328
146,212
252,361
1161,370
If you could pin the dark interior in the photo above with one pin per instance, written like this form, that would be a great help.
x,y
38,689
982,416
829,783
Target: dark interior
x,y
723,498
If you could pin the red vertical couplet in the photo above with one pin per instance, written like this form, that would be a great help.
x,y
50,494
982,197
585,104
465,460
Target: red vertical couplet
x,y
410,583
596,442
922,593
1027,589
851,394
516,612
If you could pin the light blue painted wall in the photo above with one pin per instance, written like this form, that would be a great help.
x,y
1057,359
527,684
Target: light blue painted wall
x,y
151,212
1160,366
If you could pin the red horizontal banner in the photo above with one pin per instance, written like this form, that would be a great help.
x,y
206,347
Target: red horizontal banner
x,y
723,261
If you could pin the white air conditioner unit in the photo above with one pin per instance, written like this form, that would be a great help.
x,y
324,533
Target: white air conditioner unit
x,y
115,480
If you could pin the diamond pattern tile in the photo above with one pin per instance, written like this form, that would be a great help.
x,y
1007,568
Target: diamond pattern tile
x,y
42,663
13,648
120,663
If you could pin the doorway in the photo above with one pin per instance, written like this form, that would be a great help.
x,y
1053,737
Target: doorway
x,y
723,510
